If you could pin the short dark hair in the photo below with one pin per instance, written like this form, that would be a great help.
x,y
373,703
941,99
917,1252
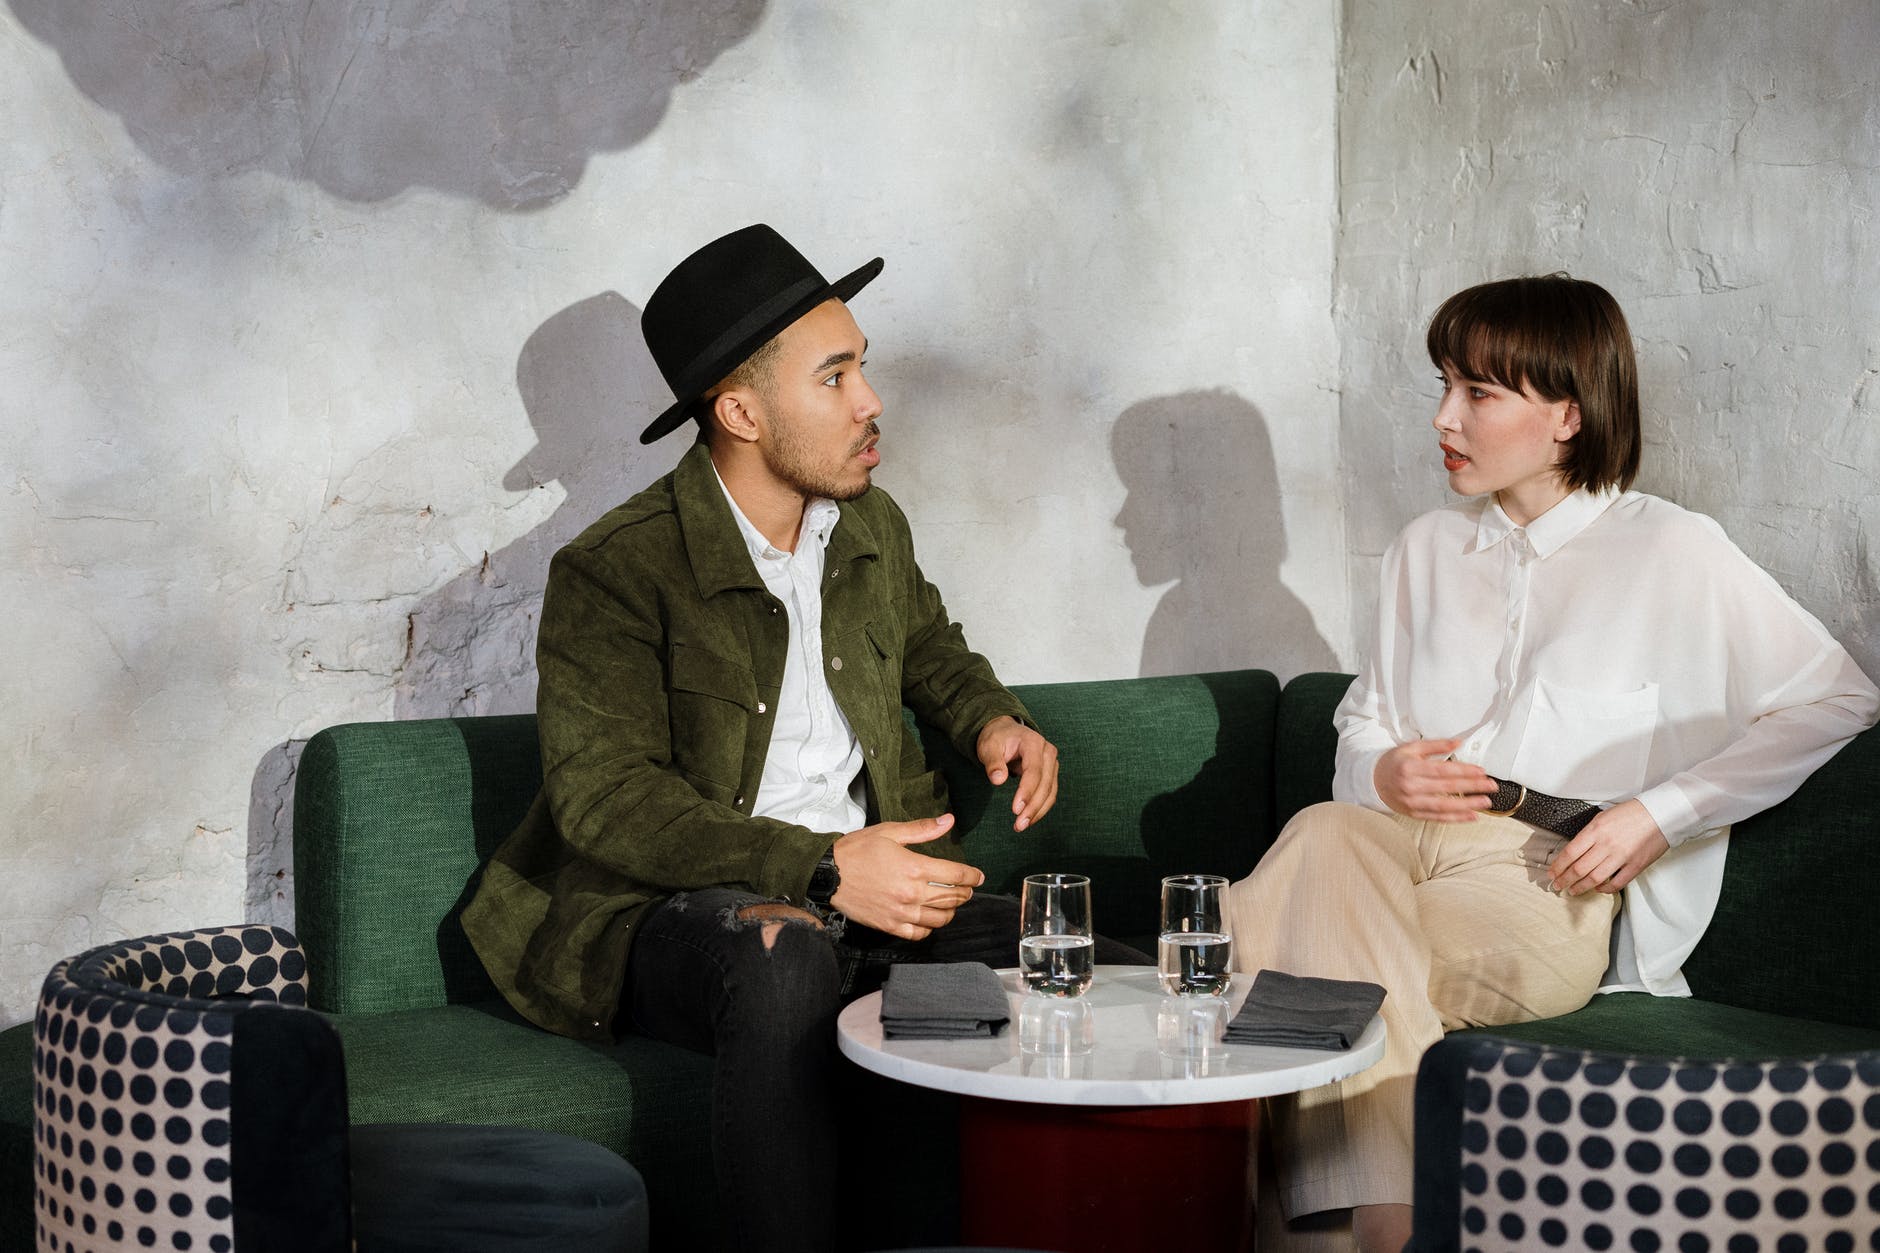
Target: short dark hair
x,y
755,371
1565,339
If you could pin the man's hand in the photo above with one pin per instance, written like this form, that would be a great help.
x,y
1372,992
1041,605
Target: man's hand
x,y
1417,781
1609,852
1006,743
887,886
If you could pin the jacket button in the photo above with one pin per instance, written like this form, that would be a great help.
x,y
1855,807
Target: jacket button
x,y
835,663
773,609
739,802
762,708
871,752
833,573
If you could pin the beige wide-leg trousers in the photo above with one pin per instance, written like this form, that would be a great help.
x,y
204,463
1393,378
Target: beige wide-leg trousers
x,y
1458,924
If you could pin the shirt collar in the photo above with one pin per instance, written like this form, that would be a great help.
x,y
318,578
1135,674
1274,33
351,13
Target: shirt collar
x,y
1549,533
819,519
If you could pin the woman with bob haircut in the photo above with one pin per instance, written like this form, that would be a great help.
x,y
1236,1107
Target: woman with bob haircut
x,y
1571,691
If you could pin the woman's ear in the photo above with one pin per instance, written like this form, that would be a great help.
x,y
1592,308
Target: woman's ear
x,y
1567,424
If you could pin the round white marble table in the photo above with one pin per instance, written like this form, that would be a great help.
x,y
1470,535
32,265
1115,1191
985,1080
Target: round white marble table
x,y
1125,1107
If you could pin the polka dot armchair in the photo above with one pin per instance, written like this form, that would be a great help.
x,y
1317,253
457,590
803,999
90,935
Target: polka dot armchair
x,y
184,1099
1520,1146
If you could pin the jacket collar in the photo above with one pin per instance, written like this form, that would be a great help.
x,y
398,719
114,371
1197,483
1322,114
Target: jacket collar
x,y
715,546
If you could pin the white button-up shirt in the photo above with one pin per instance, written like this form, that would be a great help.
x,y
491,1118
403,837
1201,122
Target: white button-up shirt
x,y
812,771
1617,646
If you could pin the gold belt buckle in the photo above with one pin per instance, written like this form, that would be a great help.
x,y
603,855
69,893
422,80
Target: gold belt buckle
x,y
1512,809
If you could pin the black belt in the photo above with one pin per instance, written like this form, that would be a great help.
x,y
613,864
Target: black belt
x,y
1558,814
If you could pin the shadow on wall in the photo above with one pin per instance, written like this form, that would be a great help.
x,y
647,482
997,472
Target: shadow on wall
x,y
484,99
1203,513
585,377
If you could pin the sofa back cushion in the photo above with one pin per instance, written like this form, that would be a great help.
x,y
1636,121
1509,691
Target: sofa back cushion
x,y
1158,776
1788,935
391,820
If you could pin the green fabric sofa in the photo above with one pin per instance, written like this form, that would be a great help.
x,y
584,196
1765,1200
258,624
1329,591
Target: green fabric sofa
x,y
1187,773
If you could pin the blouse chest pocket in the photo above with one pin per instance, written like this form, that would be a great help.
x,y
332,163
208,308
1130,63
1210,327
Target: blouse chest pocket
x,y
1588,745
711,700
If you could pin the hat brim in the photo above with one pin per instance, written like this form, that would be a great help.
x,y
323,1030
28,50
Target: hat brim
x,y
741,349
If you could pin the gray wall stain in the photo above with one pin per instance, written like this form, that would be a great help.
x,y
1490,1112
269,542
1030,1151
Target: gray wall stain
x,y
499,101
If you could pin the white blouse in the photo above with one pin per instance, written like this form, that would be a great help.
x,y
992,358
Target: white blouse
x,y
1617,646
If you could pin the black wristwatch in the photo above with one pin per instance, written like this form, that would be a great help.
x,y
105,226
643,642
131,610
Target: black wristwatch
x,y
825,880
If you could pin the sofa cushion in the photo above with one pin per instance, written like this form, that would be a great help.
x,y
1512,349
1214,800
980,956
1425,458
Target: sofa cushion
x,y
1788,935
390,821
1159,776
647,1101
1670,1026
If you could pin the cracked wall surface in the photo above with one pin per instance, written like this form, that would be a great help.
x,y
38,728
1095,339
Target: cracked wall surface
x,y
1716,165
321,335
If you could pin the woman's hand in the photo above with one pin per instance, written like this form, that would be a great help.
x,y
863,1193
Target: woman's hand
x,y
1609,852
1418,781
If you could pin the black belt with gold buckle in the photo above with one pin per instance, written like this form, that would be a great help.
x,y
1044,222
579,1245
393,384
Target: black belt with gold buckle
x,y
1559,814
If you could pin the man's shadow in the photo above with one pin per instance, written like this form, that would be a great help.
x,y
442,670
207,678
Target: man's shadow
x,y
1203,514
482,99
587,383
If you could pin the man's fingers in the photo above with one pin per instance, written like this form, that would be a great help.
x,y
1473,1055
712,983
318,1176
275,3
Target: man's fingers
x,y
918,831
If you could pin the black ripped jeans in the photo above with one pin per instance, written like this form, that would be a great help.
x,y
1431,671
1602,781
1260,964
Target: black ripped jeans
x,y
704,978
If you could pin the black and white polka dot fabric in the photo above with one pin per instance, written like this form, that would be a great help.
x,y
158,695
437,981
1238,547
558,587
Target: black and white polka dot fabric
x,y
132,1086
1522,1147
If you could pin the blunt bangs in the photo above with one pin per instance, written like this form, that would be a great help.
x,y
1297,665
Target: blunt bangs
x,y
1561,338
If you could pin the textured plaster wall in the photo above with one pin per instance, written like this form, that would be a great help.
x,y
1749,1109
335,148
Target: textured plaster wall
x,y
320,335
1716,165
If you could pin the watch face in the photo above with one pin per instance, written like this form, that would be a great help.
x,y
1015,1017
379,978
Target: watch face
x,y
824,882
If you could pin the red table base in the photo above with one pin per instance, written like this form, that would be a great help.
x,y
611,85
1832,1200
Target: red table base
x,y
1088,1179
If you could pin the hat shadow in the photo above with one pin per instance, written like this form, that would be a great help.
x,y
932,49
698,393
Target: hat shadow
x,y
584,377
371,98
1202,515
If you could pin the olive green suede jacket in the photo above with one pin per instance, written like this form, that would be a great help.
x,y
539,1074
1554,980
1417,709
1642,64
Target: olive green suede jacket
x,y
660,658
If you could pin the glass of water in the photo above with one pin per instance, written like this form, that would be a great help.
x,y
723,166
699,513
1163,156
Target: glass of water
x,y
1195,953
1057,951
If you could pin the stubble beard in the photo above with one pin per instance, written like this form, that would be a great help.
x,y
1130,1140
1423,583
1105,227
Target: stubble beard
x,y
789,458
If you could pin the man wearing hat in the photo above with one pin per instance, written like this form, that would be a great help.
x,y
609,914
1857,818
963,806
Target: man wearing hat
x,y
736,833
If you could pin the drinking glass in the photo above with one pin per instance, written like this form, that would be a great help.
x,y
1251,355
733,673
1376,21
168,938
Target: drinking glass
x,y
1057,951
1055,1037
1194,953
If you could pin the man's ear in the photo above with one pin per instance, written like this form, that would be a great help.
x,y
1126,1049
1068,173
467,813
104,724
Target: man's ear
x,y
730,414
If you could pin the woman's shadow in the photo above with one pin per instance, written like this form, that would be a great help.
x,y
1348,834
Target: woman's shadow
x,y
1203,513
586,381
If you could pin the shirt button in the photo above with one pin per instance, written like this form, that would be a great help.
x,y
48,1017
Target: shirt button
x,y
835,663
762,707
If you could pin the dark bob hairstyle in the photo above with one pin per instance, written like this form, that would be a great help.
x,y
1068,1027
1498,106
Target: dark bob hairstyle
x,y
1561,338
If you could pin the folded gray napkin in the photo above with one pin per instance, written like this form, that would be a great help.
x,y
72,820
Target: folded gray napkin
x,y
943,1001
1299,1012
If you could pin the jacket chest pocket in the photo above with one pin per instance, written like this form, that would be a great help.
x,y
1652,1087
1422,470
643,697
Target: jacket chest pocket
x,y
865,677
711,701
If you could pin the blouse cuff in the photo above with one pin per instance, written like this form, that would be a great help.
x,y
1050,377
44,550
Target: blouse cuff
x,y
1355,782
1672,811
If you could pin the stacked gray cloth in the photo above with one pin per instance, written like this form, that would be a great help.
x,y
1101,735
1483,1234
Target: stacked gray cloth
x,y
1299,1012
943,1001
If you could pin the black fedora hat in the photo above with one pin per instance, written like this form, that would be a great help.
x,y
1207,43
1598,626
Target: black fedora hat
x,y
719,305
